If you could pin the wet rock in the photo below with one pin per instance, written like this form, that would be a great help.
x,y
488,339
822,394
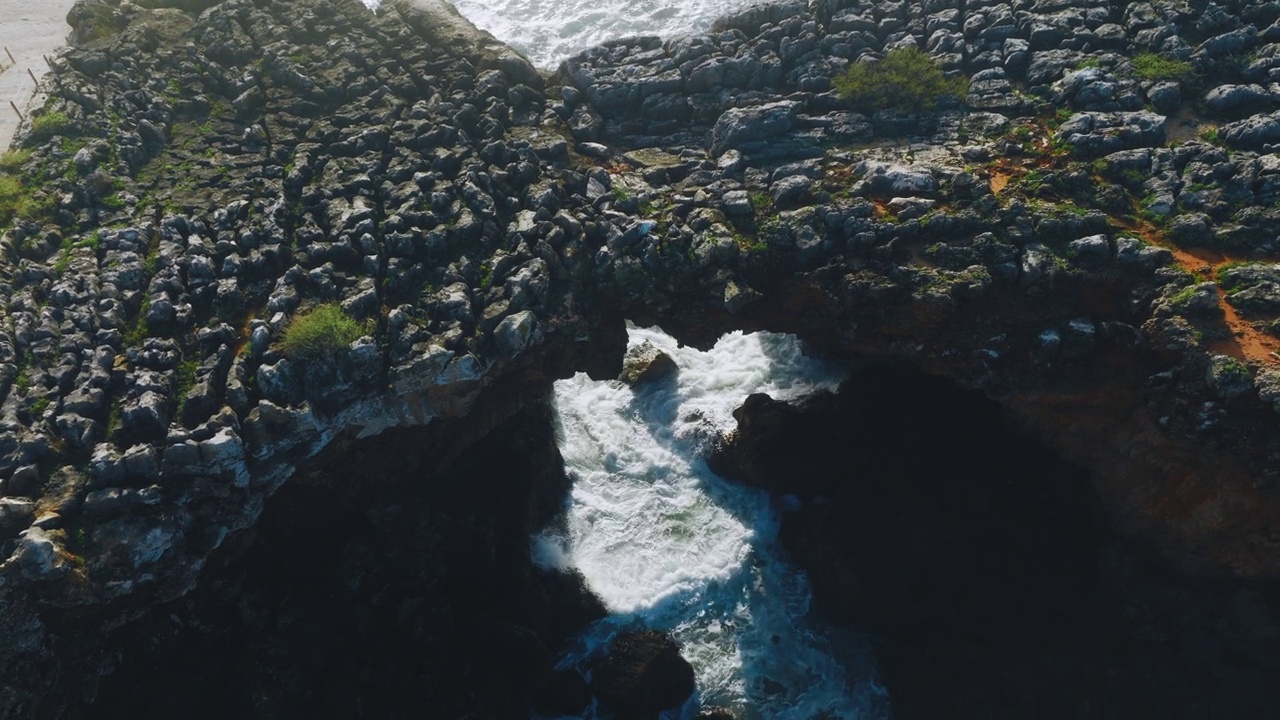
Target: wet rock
x,y
641,675
645,363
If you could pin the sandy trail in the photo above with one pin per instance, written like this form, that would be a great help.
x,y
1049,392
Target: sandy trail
x,y
30,29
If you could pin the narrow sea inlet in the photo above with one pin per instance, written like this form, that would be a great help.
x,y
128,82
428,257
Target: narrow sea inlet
x,y
548,31
668,545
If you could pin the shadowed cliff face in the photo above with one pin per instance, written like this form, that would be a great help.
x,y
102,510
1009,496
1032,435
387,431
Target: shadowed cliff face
x,y
986,565
391,576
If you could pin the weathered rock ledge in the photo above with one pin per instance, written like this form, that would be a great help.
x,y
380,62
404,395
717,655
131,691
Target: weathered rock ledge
x,y
202,175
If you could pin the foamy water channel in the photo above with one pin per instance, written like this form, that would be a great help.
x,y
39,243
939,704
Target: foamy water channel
x,y
548,31
669,545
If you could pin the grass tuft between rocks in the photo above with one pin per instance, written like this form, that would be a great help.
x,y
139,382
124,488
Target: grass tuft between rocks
x,y
323,331
1150,66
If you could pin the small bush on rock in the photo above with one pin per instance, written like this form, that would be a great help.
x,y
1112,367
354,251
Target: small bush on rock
x,y
323,331
907,80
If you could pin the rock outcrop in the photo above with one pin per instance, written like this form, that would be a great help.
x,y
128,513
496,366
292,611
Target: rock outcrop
x,y
197,182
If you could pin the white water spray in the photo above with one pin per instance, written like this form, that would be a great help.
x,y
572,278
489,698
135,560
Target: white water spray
x,y
668,545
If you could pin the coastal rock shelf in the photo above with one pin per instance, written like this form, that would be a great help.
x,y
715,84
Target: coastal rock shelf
x,y
1088,238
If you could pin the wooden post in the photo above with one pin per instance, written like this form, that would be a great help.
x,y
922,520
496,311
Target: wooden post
x,y
6,52
34,79
21,117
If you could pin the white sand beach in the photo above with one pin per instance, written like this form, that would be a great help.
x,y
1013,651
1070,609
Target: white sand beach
x,y
30,29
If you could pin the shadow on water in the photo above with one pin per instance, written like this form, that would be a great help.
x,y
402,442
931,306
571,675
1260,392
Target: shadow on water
x,y
759,611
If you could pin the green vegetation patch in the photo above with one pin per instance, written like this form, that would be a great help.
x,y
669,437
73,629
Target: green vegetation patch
x,y
1150,66
17,201
49,124
907,80
321,332
12,160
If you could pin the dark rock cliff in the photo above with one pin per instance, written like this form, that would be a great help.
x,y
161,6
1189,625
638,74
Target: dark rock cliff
x,y
1088,240
986,565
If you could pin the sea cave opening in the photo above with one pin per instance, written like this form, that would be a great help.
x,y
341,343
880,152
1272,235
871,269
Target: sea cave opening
x,y
954,557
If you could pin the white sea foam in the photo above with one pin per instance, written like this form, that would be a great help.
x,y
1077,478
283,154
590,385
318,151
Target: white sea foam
x,y
669,545
548,31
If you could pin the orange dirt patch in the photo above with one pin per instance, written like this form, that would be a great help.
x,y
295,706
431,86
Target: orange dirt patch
x,y
1246,342
999,181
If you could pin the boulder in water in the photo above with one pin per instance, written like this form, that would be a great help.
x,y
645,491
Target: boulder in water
x,y
642,675
645,363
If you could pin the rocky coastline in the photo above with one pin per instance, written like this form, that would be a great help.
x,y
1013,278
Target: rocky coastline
x,y
1086,242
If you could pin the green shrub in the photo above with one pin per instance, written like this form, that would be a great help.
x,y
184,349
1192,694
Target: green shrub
x,y
323,331
907,80
1150,66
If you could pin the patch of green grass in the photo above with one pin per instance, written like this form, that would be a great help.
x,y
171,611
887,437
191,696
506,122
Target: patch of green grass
x,y
39,406
907,80
321,332
1150,66
63,263
1034,180
1209,135
186,379
113,419
49,124
140,330
17,201
151,263
749,244
13,160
